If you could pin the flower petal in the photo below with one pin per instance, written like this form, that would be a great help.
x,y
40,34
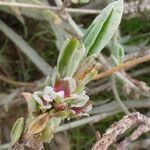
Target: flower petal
x,y
49,93
37,96
61,94
48,89
47,98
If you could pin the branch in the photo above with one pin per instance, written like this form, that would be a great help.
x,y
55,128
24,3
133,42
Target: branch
x,y
120,127
117,97
131,7
66,15
91,119
16,83
26,49
137,133
123,66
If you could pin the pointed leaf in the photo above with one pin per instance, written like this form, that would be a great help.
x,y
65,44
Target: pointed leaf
x,y
65,55
120,52
38,124
62,114
103,27
117,52
75,60
17,130
47,134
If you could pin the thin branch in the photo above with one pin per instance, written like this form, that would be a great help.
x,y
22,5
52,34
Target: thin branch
x,y
118,74
35,6
117,97
123,66
40,63
59,3
137,133
143,144
8,99
91,119
120,127
128,7
16,83
112,106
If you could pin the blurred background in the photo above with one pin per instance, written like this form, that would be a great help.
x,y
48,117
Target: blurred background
x,y
30,40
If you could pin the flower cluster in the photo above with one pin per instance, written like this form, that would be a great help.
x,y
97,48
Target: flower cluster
x,y
63,96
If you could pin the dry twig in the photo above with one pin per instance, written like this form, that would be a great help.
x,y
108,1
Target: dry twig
x,y
120,127
16,83
131,7
123,66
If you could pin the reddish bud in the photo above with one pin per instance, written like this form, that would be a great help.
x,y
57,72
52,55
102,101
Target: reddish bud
x,y
62,85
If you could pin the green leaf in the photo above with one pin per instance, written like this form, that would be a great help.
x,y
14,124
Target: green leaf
x,y
47,134
117,52
54,122
75,59
103,27
120,52
33,107
65,55
17,130
62,114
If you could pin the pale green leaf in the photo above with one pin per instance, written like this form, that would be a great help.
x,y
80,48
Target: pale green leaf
x,y
17,130
65,55
62,114
103,27
47,134
75,59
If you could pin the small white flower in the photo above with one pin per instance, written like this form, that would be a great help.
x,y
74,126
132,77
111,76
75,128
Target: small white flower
x,y
38,97
61,94
50,94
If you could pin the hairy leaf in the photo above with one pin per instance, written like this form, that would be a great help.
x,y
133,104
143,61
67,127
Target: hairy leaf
x,y
47,134
38,124
75,59
17,130
65,55
103,27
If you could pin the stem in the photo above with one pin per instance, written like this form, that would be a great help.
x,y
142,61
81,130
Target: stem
x,y
59,3
119,128
123,66
35,6
114,88
15,83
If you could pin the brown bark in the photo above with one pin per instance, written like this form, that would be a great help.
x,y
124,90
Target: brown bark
x,y
120,127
